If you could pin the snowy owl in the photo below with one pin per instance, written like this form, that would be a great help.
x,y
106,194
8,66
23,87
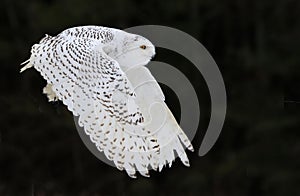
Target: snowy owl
x,y
99,73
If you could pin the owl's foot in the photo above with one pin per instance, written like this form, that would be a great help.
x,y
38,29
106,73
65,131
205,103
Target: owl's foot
x,y
50,93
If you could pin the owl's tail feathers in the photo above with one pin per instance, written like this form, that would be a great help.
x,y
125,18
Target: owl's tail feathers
x,y
27,65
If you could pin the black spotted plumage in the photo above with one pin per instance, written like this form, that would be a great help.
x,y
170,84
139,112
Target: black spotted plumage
x,y
92,84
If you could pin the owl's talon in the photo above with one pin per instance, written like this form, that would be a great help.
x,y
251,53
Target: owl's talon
x,y
50,93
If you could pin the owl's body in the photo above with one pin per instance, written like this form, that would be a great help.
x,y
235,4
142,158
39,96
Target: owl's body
x,y
99,73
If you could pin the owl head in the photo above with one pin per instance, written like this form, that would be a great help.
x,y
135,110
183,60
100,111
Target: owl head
x,y
132,50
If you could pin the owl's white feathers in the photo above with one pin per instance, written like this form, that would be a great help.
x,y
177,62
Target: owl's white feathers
x,y
99,74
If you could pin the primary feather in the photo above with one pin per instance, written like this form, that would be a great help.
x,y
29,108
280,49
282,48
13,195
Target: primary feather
x,y
99,74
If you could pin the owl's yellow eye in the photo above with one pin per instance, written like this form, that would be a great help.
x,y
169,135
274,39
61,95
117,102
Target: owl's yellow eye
x,y
143,47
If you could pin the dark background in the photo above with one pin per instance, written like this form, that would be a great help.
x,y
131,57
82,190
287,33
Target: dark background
x,y
256,46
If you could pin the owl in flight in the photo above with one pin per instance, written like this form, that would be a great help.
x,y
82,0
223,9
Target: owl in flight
x,y
99,73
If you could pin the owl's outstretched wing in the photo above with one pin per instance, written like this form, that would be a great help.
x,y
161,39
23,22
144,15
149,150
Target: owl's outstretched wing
x,y
159,119
93,87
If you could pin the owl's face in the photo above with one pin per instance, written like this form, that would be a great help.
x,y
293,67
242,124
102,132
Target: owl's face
x,y
135,50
